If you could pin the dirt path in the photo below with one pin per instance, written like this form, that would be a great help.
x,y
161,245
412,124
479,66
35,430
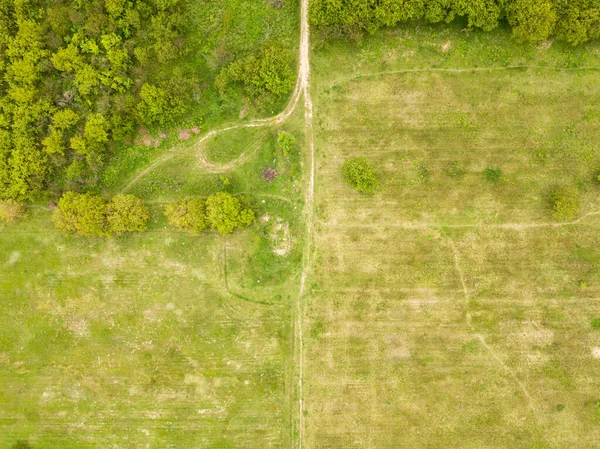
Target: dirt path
x,y
309,194
464,70
481,338
515,226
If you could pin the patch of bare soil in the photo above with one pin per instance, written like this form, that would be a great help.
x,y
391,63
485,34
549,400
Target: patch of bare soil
x,y
184,134
144,139
282,239
269,174
446,46
196,130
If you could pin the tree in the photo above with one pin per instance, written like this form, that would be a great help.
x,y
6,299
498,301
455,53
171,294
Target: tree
x,y
565,203
84,214
126,213
531,20
11,210
225,213
357,171
188,214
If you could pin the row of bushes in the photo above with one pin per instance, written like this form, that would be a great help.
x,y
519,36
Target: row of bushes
x,y
91,215
565,201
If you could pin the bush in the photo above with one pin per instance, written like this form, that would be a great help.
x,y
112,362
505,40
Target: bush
x,y
225,213
286,142
84,214
126,213
492,174
595,323
11,210
359,174
565,203
188,215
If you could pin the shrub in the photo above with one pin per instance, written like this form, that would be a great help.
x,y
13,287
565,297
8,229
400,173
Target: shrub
x,y
84,214
286,142
126,213
188,215
359,174
225,213
595,322
565,203
492,174
11,210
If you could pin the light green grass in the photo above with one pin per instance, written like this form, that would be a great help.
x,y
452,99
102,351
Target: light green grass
x,y
439,317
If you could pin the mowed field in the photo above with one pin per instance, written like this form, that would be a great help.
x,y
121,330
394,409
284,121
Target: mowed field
x,y
448,310
160,339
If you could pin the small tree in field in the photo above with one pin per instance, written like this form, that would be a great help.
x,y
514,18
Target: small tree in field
x,y
359,174
11,210
565,203
188,215
225,213
286,142
84,214
126,213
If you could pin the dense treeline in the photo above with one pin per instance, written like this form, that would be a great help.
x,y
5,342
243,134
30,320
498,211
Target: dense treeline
x,y
574,21
79,75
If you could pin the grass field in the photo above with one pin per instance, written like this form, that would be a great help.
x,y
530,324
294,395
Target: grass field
x,y
448,310
161,339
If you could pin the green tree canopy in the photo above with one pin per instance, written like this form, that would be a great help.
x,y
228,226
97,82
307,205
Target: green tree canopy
x,y
357,172
82,213
126,213
225,213
188,215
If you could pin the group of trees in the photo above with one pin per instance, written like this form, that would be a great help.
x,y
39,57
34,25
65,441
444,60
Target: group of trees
x,y
220,211
79,75
91,215
574,21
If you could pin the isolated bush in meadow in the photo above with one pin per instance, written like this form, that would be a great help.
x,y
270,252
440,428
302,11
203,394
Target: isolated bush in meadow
x,y
565,203
188,215
11,210
225,213
286,142
492,174
126,213
357,171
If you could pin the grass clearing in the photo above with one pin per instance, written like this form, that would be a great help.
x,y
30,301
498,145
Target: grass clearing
x,y
160,339
430,323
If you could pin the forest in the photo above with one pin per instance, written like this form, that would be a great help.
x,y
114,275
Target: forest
x,y
82,77
573,21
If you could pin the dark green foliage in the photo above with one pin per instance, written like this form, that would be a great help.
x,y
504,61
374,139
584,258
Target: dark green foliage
x,y
126,213
574,21
267,76
90,215
359,174
225,213
595,323
492,174
188,215
565,203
